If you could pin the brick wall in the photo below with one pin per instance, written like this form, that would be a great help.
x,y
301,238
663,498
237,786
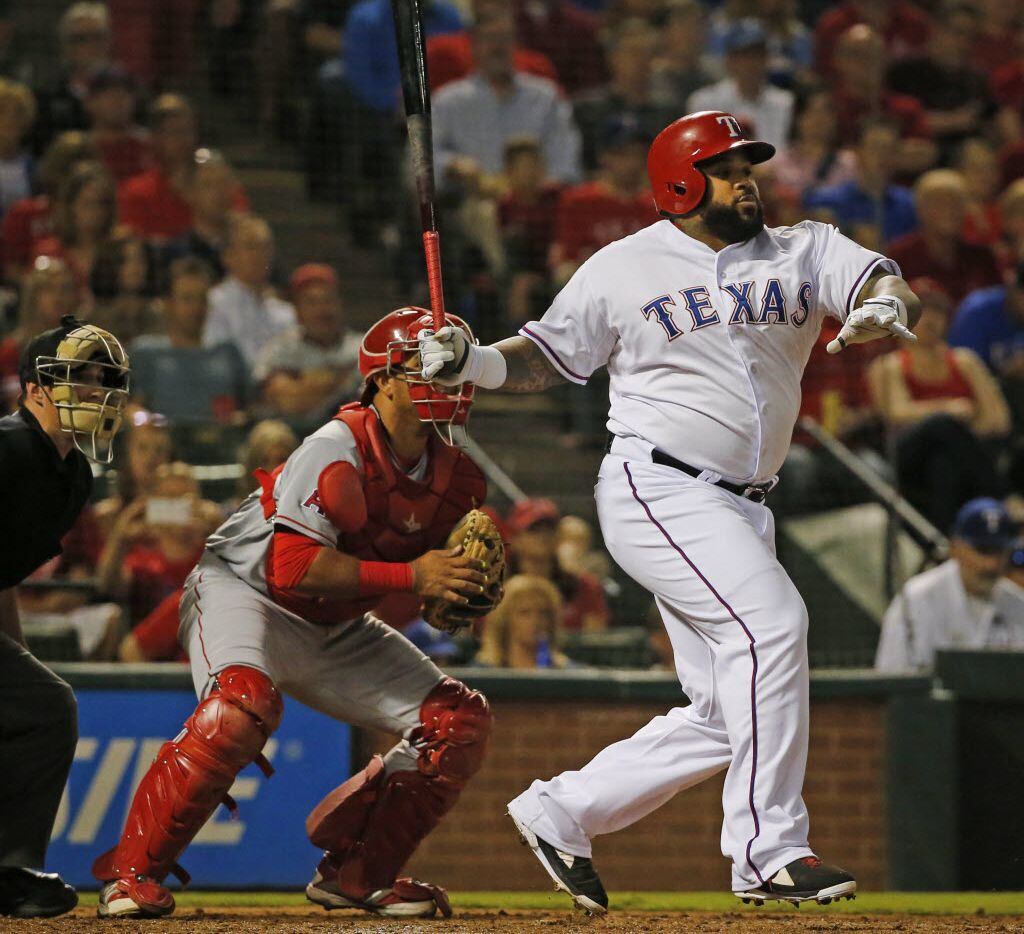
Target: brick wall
x,y
676,847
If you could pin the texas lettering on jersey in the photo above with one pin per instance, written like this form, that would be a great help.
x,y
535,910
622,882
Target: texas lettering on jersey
x,y
705,348
747,308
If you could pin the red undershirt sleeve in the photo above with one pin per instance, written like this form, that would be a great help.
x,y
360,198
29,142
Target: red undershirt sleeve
x,y
292,556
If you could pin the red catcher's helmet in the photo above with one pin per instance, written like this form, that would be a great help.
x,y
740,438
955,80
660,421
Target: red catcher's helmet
x,y
679,185
392,342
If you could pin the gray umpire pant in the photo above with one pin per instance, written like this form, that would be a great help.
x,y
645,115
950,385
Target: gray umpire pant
x,y
38,734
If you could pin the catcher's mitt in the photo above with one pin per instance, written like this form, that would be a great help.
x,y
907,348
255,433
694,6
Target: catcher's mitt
x,y
480,540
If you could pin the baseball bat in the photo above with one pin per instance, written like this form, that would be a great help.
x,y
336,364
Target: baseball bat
x,y
412,60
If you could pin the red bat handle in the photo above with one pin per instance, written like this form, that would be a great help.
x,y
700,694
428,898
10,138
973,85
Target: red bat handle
x,y
432,252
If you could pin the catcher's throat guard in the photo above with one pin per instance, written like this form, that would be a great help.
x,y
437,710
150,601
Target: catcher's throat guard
x,y
390,346
88,383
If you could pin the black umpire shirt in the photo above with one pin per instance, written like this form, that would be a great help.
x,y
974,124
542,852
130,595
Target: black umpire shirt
x,y
41,496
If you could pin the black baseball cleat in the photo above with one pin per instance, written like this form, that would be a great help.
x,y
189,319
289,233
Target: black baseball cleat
x,y
26,893
803,880
574,875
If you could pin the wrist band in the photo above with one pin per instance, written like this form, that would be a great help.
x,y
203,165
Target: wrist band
x,y
897,303
378,577
485,366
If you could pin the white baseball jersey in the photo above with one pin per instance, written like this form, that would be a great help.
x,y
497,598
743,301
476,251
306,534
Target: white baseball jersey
x,y
933,611
705,349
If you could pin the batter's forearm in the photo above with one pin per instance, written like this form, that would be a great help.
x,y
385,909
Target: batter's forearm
x,y
528,369
894,285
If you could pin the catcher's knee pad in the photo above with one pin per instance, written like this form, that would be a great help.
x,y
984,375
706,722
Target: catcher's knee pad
x,y
455,723
373,823
192,773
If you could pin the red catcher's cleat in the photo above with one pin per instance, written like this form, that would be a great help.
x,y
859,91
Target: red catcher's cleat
x,y
407,898
135,897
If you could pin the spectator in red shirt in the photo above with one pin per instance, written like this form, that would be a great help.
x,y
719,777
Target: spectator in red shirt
x,y
155,638
156,541
111,101
48,293
614,205
568,36
450,55
945,79
533,525
147,446
902,25
155,204
84,215
31,219
937,250
939,403
859,95
214,198
527,213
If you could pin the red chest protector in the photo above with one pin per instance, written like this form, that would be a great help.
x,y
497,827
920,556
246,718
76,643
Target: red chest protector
x,y
404,519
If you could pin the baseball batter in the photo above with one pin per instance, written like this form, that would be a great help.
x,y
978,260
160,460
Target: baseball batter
x,y
705,321
279,603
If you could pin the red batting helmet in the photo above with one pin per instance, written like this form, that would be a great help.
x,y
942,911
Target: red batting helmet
x,y
678,184
392,342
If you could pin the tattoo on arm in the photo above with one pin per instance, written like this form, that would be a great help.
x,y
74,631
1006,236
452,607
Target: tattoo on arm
x,y
528,369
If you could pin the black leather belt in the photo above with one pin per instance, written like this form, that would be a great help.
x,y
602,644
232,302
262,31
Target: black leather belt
x,y
756,492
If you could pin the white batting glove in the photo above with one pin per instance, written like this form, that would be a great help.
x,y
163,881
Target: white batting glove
x,y
881,316
443,355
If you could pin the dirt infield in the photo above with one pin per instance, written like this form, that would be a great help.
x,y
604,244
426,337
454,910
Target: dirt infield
x,y
304,920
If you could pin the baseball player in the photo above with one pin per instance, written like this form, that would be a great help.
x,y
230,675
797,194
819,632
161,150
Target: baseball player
x,y
705,321
279,604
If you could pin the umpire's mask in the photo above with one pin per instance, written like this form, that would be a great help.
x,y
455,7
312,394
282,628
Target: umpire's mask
x,y
88,380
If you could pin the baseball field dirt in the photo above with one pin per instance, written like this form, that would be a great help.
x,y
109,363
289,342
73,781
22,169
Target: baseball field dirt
x,y
700,912
301,920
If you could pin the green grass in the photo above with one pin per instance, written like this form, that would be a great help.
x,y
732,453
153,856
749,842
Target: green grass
x,y
934,903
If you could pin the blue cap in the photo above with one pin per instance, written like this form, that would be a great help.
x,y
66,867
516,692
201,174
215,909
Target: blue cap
x,y
985,524
1017,555
622,130
744,34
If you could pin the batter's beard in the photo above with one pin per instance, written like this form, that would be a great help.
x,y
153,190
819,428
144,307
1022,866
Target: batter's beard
x,y
726,223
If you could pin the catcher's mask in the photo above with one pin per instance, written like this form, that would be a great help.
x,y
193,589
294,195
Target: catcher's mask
x,y
87,376
390,346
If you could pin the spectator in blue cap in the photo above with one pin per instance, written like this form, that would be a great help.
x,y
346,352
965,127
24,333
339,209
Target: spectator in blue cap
x,y
764,110
965,602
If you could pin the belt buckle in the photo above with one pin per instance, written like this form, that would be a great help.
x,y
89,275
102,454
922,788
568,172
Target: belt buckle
x,y
758,492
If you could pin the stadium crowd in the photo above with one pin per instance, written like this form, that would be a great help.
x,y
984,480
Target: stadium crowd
x,y
900,122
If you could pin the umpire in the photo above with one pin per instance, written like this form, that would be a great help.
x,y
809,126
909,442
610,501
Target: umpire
x,y
74,386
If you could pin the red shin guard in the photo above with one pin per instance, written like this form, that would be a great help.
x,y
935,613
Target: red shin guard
x,y
373,823
192,773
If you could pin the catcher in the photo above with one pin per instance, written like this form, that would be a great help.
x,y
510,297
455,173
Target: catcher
x,y
280,604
